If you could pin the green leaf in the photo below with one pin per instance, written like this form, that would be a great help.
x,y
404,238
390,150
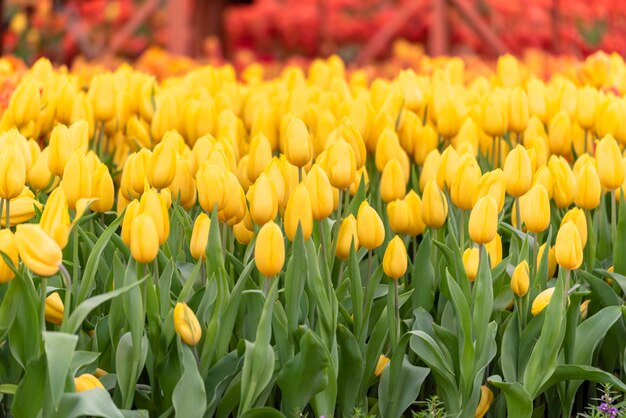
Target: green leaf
x,y
128,366
564,372
59,348
400,383
258,363
304,375
519,404
29,398
543,359
510,349
423,276
189,397
619,246
356,200
94,257
263,412
219,377
80,313
94,402
9,308
25,344
295,279
350,370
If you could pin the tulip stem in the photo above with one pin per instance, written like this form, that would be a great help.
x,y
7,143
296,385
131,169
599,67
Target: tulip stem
x,y
518,217
585,143
67,281
565,292
299,175
42,310
462,230
340,204
267,283
613,217
396,302
535,251
8,212
322,239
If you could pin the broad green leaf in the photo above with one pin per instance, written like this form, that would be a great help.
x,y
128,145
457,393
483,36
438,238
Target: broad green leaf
x,y
128,366
423,276
189,397
263,412
518,401
295,280
59,348
350,370
304,375
94,402
29,398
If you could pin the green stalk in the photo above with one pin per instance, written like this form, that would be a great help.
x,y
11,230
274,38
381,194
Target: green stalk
x,y
8,213
67,281
518,214
462,230
340,204
396,302
613,217
42,309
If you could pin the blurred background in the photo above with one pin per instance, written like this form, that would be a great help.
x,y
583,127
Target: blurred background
x,y
166,32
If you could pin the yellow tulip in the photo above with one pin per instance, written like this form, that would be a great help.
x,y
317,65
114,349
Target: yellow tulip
x,y
263,201
586,107
102,96
86,382
392,182
8,247
395,258
383,360
471,257
494,116
563,181
425,142
416,224
40,253
518,110
560,138
492,183
260,155
76,179
297,143
200,236
25,103
103,189
399,216
588,187
162,165
541,301
144,239
520,281
269,250
483,220
346,237
165,118
12,172
449,117
568,247
186,324
486,399
55,218
430,168
155,205
609,163
517,172
341,165
464,184
434,206
535,209
320,191
243,235
448,166
54,309
551,259
494,248
39,176
370,228
580,220
298,212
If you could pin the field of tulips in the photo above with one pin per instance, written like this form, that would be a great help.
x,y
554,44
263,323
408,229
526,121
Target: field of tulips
x,y
318,244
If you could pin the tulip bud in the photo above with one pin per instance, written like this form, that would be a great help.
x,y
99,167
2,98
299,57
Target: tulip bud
x,y
276,173
537,99
76,179
370,228
519,280
102,96
298,211
12,172
210,184
430,168
543,177
563,180
541,301
551,259
162,166
471,259
186,324
568,247
383,360
297,143
434,206
242,234
483,220
25,103
103,189
346,237
492,183
165,118
518,110
560,137
486,399
416,224
517,172
609,163
22,208
200,237
588,188
449,117
341,165
55,218
392,182
260,155
586,107
8,247
154,205
399,216
144,239
465,183
320,191
448,166
494,116
535,210
494,248
40,253
86,382
426,141
584,308
269,250
54,309
263,201
39,176
395,258
580,220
